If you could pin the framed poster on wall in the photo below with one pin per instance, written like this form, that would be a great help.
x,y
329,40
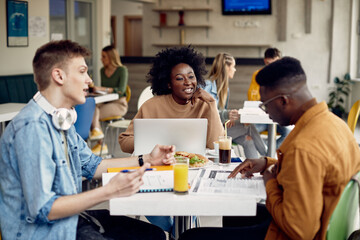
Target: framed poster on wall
x,y
17,23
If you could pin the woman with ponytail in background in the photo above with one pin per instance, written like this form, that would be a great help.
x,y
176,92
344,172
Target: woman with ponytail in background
x,y
222,70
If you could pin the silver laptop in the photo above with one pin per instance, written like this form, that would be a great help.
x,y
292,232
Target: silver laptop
x,y
187,134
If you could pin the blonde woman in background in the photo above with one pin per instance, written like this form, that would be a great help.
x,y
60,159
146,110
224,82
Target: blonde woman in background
x,y
222,70
114,79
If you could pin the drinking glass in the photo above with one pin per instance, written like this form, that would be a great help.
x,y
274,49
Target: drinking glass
x,y
225,150
181,169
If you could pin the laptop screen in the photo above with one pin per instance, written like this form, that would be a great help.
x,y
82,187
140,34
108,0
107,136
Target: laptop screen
x,y
187,134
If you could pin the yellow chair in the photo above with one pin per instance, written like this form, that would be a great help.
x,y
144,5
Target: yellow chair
x,y
128,93
344,219
113,119
353,115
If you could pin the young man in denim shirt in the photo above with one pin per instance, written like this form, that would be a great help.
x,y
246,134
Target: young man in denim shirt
x,y
43,161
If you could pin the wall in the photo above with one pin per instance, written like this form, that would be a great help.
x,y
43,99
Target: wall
x,y
17,60
102,33
354,53
121,8
324,52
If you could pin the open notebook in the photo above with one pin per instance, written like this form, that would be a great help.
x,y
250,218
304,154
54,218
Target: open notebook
x,y
154,181
187,134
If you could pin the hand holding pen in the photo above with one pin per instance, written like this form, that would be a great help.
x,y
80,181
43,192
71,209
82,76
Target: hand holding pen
x,y
123,185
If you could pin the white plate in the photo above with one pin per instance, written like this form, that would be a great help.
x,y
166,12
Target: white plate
x,y
208,164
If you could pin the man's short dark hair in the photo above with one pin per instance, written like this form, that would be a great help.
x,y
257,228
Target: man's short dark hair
x,y
272,53
284,72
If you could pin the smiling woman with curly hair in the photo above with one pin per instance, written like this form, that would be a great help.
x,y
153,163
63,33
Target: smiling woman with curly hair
x,y
165,60
175,77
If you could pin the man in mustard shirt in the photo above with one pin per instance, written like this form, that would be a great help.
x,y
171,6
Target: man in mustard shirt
x,y
270,55
315,161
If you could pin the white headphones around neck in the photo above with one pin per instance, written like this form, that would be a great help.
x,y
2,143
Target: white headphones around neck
x,y
62,118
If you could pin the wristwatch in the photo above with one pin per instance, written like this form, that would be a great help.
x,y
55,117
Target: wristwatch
x,y
141,160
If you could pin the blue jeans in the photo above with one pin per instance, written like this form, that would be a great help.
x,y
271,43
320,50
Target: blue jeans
x,y
240,132
164,222
283,131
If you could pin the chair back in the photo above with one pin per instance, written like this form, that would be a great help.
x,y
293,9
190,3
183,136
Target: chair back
x,y
353,115
343,220
85,113
144,96
128,93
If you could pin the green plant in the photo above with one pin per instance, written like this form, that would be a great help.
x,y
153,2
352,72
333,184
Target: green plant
x,y
339,94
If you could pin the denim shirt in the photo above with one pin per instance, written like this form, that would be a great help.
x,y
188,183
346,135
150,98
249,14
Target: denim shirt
x,y
34,172
210,87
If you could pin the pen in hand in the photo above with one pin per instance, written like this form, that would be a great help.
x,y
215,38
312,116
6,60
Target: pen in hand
x,y
132,170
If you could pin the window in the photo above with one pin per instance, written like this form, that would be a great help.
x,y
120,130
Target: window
x,y
74,20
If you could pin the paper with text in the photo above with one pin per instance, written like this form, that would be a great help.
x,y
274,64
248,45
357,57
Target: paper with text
x,y
211,181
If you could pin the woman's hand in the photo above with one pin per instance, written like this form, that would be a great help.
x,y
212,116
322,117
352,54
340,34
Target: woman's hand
x,y
96,88
234,115
103,89
161,155
203,95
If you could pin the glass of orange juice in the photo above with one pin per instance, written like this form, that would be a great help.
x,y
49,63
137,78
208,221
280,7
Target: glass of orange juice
x,y
181,169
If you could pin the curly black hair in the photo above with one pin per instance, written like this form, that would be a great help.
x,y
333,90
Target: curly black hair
x,y
165,60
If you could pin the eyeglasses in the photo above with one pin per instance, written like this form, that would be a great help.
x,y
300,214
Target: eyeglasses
x,y
263,107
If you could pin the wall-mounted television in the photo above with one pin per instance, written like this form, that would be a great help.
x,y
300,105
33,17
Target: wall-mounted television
x,y
246,7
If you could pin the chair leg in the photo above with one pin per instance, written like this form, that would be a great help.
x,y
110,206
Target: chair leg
x,y
103,142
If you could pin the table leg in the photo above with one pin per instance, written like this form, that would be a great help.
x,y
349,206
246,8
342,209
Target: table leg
x,y
271,140
181,224
2,128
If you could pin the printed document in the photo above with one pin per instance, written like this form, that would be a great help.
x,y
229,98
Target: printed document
x,y
216,181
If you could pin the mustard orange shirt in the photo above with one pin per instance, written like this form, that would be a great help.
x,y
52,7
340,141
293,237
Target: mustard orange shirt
x,y
316,161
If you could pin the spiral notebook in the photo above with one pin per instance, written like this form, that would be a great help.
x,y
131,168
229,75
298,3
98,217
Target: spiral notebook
x,y
154,181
